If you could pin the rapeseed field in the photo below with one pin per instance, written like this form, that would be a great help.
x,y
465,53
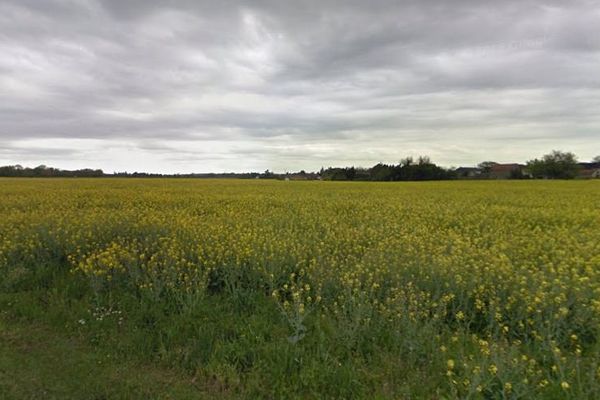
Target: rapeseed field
x,y
272,289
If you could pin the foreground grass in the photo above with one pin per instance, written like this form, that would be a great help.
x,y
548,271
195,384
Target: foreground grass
x,y
37,362
52,345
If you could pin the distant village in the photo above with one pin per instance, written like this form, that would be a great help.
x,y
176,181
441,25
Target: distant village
x,y
519,171
555,165
486,170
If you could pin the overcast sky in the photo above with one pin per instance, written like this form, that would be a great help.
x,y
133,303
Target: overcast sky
x,y
232,85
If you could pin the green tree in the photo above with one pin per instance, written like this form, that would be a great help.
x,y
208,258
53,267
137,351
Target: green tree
x,y
486,166
381,172
556,165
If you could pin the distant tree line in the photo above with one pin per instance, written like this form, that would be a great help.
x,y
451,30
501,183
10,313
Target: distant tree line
x,y
407,170
555,165
221,175
44,172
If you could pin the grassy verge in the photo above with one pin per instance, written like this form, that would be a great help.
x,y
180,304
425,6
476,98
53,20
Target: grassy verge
x,y
59,340
36,362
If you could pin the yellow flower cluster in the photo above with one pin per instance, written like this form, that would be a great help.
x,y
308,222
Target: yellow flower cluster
x,y
512,260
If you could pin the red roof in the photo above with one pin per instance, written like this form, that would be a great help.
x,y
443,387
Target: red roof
x,y
505,167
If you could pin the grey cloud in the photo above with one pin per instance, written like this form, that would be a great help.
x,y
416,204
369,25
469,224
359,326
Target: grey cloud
x,y
33,152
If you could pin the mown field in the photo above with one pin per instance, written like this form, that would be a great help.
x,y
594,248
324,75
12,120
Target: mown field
x,y
271,289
